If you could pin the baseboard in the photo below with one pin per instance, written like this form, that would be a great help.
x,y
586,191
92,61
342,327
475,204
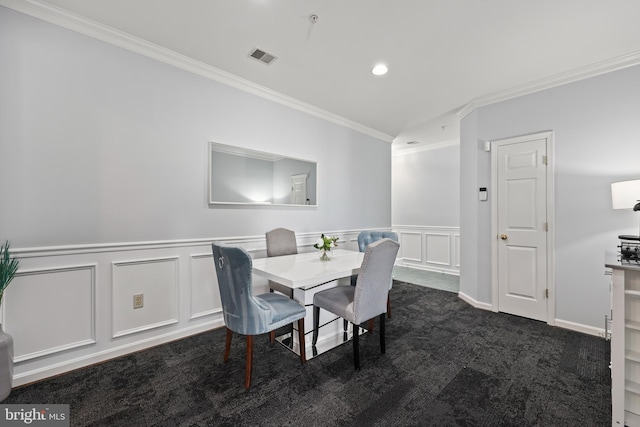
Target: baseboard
x,y
578,327
94,358
564,324
403,263
474,303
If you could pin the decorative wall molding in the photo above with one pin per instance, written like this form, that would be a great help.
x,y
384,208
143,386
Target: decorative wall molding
x,y
157,279
88,317
63,298
430,248
401,150
87,27
83,281
592,70
204,296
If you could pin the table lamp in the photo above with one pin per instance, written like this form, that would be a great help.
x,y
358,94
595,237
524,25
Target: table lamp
x,y
626,195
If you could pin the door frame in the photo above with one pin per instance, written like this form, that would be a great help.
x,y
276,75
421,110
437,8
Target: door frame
x,y
551,242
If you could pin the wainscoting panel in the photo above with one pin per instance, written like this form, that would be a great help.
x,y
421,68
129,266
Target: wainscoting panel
x,y
205,296
50,310
438,248
157,281
429,248
410,246
72,306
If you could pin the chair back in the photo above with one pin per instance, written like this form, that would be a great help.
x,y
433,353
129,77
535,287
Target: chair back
x,y
372,285
242,313
281,242
365,238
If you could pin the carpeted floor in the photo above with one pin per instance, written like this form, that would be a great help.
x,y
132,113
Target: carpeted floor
x,y
447,364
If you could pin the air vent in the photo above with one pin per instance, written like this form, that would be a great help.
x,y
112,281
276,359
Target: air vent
x,y
262,56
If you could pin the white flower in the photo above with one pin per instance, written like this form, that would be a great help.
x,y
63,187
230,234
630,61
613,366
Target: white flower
x,y
320,243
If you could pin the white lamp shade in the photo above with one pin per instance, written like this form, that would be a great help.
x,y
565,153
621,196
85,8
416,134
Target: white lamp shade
x,y
625,194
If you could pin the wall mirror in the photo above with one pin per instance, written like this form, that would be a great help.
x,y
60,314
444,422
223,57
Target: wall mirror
x,y
239,176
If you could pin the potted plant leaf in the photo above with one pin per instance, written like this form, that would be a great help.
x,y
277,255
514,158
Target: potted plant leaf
x,y
8,269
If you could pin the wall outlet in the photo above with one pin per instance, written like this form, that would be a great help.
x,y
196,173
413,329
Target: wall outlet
x,y
138,301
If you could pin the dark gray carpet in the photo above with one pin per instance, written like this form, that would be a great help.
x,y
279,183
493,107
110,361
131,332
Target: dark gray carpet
x,y
447,364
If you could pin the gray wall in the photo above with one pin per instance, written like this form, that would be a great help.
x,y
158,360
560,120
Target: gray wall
x,y
426,187
596,131
99,144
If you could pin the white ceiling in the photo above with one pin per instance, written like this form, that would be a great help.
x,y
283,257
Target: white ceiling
x,y
441,54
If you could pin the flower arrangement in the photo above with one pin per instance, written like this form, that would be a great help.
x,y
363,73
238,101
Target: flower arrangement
x,y
325,244
8,268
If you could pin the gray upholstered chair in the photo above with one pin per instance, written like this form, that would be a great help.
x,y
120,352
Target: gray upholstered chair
x,y
281,241
248,314
364,301
365,238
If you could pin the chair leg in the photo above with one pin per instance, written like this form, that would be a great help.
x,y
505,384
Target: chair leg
x,y
227,345
272,336
303,356
345,334
389,306
382,343
356,347
247,373
370,325
316,324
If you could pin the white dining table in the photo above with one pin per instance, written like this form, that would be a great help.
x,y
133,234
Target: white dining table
x,y
306,275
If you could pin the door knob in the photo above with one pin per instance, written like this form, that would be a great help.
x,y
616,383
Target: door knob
x,y
503,236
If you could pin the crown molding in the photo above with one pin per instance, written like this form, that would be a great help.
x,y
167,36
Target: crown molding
x,y
401,150
82,25
599,68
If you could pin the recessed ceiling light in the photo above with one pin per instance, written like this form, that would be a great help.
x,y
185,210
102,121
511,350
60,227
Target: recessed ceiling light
x,y
380,69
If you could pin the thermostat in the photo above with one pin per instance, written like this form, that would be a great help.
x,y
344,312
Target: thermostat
x,y
482,194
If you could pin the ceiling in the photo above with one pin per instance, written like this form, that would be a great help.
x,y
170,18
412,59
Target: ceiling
x,y
441,54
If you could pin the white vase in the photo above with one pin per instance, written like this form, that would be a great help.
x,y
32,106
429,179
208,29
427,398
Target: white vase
x,y
6,364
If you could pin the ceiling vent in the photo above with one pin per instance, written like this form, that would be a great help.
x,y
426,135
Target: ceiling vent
x,y
262,56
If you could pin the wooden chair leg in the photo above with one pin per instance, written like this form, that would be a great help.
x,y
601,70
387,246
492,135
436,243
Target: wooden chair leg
x,y
382,343
316,324
227,345
303,356
272,336
370,325
389,306
356,347
247,373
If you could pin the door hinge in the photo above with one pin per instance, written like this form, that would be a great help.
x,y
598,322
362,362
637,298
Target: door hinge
x,y
546,226
545,160
546,293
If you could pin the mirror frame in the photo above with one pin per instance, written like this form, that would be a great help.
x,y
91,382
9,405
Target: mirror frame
x,y
233,149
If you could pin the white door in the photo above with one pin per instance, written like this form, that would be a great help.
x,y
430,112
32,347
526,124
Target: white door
x,y
522,227
299,189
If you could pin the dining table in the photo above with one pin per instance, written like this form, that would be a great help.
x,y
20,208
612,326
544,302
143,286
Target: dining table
x,y
306,274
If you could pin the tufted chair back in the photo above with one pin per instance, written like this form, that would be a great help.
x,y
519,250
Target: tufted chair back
x,y
365,238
